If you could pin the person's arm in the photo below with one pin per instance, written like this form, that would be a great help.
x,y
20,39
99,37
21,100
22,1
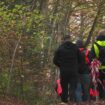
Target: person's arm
x,y
80,61
80,58
56,58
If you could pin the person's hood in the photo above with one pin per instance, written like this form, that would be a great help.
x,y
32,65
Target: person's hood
x,y
100,38
67,45
79,43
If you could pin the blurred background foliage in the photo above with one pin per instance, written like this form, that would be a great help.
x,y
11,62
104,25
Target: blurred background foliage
x,y
30,31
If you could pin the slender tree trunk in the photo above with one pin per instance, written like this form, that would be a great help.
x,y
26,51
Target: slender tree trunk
x,y
93,26
12,64
53,23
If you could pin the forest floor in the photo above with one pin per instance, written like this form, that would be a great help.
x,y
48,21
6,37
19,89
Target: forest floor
x,y
100,102
14,101
11,101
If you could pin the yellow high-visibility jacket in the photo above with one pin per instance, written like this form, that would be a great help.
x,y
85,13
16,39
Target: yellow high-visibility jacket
x,y
96,50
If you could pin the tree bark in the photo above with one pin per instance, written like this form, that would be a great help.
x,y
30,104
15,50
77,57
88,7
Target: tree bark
x,y
94,25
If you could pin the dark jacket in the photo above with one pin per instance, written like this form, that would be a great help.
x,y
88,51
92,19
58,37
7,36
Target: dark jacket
x,y
67,58
84,66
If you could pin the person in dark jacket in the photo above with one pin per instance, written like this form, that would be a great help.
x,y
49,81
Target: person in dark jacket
x,y
98,52
84,71
67,58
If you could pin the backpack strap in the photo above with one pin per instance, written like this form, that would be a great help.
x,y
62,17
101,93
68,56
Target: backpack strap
x,y
81,49
86,56
86,52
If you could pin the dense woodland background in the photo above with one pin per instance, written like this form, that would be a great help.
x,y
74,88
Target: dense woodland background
x,y
30,31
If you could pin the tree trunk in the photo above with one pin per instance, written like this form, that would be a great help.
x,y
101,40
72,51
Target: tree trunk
x,y
94,25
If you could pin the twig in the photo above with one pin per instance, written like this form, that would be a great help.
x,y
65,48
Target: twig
x,y
12,64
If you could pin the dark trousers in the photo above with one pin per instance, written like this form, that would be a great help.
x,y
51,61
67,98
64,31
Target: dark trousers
x,y
78,92
85,82
83,87
69,84
100,87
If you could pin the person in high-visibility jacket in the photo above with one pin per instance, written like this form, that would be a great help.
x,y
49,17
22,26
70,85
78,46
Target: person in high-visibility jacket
x,y
98,51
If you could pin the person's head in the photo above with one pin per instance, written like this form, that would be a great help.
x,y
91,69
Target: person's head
x,y
66,38
101,35
79,43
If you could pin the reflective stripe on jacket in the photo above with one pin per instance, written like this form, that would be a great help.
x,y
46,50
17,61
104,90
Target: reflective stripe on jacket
x,y
96,50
